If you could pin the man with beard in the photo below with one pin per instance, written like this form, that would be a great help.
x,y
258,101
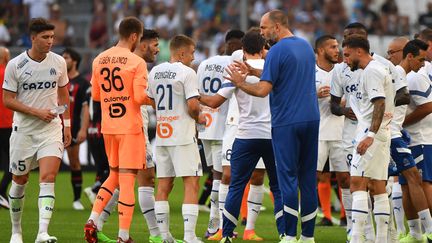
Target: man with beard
x,y
375,105
289,77
80,119
330,133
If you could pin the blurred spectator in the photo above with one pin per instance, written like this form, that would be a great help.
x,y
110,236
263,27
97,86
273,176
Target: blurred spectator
x,y
37,8
426,18
168,21
335,10
63,31
391,22
98,28
363,14
4,32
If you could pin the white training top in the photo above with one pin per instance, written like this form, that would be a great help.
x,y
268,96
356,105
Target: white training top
x,y
331,126
255,117
375,82
171,85
421,93
35,84
427,71
210,78
400,111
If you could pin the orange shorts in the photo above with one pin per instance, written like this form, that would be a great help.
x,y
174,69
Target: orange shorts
x,y
126,151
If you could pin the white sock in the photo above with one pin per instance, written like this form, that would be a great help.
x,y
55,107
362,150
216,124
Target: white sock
x,y
46,205
347,202
426,220
109,207
190,217
162,211
398,210
123,234
214,208
223,192
415,228
16,202
369,227
147,201
382,214
359,215
254,201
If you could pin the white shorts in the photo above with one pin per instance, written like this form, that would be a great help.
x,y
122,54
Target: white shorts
x,y
348,137
333,151
149,156
213,153
227,143
178,161
374,163
26,150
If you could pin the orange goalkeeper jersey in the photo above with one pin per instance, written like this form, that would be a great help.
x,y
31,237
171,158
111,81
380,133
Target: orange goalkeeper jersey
x,y
119,82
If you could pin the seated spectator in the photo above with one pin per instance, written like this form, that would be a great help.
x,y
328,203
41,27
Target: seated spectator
x,y
4,32
63,31
426,18
391,22
98,28
363,14
37,8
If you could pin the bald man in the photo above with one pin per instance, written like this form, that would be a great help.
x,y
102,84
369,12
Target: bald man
x,y
5,132
395,49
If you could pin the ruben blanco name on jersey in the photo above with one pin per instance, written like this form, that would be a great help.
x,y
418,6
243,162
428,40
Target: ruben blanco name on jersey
x,y
421,93
331,126
171,85
400,111
375,82
35,84
255,117
210,78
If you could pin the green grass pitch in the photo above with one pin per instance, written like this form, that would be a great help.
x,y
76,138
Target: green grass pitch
x,y
67,224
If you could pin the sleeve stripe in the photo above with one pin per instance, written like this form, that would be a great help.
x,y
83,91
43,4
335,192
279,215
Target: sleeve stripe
x,y
376,98
10,90
420,93
194,96
225,85
63,85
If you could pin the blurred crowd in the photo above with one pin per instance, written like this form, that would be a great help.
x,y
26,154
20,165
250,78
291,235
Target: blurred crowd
x,y
205,20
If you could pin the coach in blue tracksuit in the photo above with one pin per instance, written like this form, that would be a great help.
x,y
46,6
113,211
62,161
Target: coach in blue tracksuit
x,y
289,77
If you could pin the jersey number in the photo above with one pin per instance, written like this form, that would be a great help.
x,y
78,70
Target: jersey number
x,y
160,90
212,85
112,80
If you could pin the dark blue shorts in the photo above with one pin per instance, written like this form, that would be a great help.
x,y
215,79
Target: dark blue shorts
x,y
401,155
422,155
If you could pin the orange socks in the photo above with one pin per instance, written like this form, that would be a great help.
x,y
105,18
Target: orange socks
x,y
126,203
324,193
243,209
105,192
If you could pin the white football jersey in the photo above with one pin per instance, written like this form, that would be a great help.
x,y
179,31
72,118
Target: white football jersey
x,y
375,82
210,78
233,112
255,117
331,126
145,118
421,93
427,71
171,85
400,111
35,84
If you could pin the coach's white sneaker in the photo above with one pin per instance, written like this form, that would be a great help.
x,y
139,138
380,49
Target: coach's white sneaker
x,y
90,194
77,205
16,238
45,238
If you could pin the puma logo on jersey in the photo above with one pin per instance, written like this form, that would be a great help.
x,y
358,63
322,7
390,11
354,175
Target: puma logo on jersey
x,y
39,85
28,73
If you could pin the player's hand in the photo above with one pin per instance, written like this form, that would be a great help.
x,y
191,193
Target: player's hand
x,y
202,119
323,91
235,75
247,69
349,113
81,136
45,115
363,146
67,136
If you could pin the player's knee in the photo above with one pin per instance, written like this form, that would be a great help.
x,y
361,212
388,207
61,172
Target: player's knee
x,y
226,178
413,176
258,177
48,177
343,180
20,180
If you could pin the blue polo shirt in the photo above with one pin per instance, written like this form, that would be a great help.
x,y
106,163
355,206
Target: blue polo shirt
x,y
290,67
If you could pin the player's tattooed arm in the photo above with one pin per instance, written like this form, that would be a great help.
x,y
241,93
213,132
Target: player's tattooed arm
x,y
337,109
378,114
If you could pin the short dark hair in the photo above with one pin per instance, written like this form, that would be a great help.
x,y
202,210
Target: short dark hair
x,y
356,41
425,35
38,25
253,42
180,41
234,34
320,41
130,25
75,56
278,16
149,34
414,47
356,25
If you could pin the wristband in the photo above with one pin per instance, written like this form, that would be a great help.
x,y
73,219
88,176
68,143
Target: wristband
x,y
371,134
67,122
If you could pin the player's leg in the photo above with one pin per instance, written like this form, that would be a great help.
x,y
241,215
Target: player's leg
x,y
413,221
97,150
76,175
324,185
16,199
254,202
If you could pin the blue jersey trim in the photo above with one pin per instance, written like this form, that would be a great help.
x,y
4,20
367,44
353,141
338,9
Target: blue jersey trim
x,y
420,93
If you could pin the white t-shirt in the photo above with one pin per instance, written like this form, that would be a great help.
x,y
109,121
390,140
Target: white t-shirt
x,y
331,126
39,8
427,71
36,85
171,85
255,117
210,78
375,82
344,82
421,93
400,111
